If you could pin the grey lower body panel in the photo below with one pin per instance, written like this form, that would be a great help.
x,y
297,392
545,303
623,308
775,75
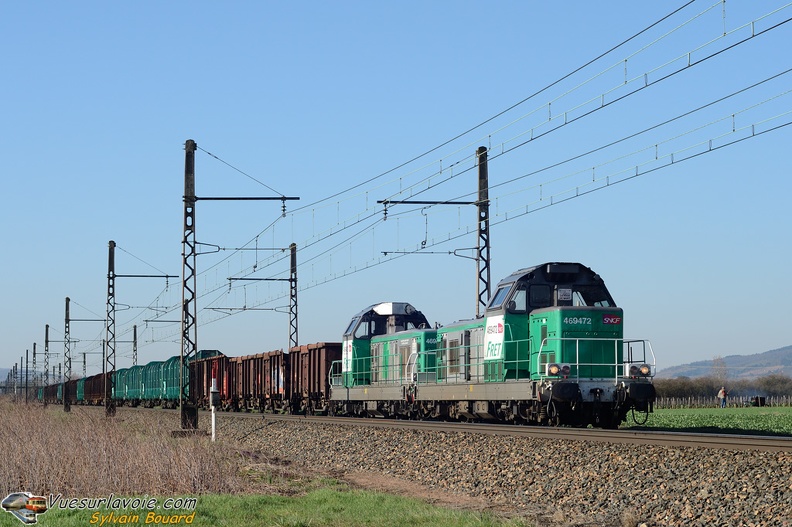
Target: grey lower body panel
x,y
393,392
511,391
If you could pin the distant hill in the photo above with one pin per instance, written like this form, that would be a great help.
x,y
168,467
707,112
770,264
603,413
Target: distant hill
x,y
778,361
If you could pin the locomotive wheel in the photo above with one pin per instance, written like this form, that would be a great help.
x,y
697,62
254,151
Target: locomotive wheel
x,y
553,415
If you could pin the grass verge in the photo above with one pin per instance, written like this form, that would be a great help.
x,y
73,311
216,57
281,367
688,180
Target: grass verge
x,y
747,421
324,507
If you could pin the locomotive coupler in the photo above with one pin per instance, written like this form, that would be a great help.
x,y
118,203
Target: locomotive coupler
x,y
597,393
410,392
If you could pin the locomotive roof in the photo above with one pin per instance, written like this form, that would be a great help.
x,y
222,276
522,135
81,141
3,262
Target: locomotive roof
x,y
390,308
563,272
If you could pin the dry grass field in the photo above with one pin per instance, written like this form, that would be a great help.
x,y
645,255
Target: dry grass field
x,y
82,453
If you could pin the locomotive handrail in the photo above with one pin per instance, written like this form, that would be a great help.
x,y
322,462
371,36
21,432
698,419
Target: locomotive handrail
x,y
336,374
415,369
647,346
410,374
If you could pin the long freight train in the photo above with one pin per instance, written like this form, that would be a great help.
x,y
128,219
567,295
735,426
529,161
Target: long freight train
x,y
550,349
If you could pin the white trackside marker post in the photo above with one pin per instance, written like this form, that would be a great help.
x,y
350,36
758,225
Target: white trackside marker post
x,y
213,398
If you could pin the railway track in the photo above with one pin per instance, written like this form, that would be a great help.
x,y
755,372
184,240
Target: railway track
x,y
654,438
660,478
627,436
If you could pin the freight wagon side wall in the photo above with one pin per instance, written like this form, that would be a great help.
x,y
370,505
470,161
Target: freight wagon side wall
x,y
94,389
235,377
310,366
202,374
273,371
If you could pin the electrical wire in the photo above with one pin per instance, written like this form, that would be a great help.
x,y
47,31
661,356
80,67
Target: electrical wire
x,y
502,112
333,231
241,172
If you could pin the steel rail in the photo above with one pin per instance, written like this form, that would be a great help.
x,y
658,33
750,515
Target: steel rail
x,y
663,438
637,437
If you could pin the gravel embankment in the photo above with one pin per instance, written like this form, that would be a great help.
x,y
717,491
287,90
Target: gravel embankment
x,y
555,482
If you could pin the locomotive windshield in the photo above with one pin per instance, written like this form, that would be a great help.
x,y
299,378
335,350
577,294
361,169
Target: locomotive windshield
x,y
352,324
550,285
591,296
384,319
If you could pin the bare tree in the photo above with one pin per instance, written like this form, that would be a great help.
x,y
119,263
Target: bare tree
x,y
720,371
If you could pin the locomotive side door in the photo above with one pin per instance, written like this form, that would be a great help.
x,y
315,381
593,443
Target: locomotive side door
x,y
454,355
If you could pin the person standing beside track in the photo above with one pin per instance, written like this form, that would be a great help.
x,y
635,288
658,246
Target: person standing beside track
x,y
722,395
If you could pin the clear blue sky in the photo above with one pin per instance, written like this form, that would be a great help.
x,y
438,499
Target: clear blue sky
x,y
317,99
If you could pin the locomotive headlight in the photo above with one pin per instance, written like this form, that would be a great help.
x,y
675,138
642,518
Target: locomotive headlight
x,y
565,370
645,370
553,369
634,370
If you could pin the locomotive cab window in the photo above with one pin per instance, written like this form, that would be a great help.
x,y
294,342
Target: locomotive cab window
x,y
593,296
577,299
500,296
363,330
519,299
351,326
541,296
409,322
370,327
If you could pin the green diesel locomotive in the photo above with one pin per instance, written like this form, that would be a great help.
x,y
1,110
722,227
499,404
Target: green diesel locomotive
x,y
550,349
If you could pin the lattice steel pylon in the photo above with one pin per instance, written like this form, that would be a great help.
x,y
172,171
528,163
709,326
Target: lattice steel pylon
x,y
134,345
293,339
46,360
110,345
189,334
483,245
483,260
34,368
66,360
